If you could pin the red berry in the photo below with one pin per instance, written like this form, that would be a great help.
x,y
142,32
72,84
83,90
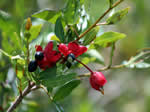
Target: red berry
x,y
97,81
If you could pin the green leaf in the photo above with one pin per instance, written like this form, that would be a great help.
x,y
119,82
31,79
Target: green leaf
x,y
35,31
71,11
116,17
90,36
48,15
10,56
59,108
110,3
59,80
59,31
65,90
54,37
48,73
8,29
108,38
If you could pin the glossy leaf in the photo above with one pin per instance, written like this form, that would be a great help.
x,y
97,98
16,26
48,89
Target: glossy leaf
x,y
90,36
108,38
116,17
66,89
47,15
59,80
59,31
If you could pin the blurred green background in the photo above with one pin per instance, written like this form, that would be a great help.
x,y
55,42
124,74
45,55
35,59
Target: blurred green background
x,y
127,90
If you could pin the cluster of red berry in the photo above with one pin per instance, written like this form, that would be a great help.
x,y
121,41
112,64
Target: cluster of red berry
x,y
48,57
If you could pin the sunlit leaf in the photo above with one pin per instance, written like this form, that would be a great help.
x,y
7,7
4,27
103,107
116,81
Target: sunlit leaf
x,y
34,31
117,16
66,89
19,74
108,38
48,15
54,37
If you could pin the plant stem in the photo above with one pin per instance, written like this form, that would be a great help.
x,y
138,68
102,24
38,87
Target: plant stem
x,y
45,90
100,18
75,32
28,54
19,98
84,65
104,23
111,55
103,69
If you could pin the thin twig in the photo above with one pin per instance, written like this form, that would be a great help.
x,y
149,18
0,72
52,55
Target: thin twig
x,y
75,32
19,98
100,18
98,24
111,54
45,90
102,69
132,60
28,53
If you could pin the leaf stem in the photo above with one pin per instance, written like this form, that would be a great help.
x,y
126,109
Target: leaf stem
x,y
111,55
75,32
28,54
100,18
45,90
104,23
132,60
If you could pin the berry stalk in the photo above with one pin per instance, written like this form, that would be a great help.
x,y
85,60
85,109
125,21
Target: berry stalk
x,y
84,65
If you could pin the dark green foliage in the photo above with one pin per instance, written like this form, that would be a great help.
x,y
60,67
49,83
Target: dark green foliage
x,y
58,80
65,90
59,31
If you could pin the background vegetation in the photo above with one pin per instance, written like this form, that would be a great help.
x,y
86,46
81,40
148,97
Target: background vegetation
x,y
126,90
